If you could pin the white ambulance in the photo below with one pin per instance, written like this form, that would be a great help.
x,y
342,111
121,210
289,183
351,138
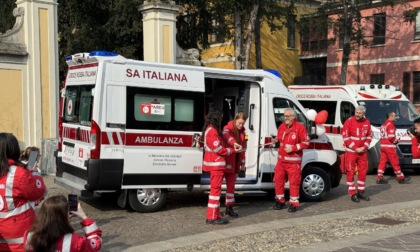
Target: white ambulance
x,y
340,102
131,126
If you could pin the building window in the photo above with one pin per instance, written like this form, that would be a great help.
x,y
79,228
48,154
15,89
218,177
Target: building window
x,y
313,35
406,84
377,78
417,26
291,32
416,87
216,37
379,27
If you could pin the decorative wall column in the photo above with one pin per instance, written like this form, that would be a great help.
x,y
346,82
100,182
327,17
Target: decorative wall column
x,y
159,30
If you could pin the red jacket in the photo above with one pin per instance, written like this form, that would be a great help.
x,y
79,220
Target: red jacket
x,y
297,137
415,148
17,188
233,162
214,151
356,133
74,242
388,139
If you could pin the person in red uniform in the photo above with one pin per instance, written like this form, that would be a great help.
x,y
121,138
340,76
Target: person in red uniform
x,y
52,230
234,136
389,151
215,163
293,138
18,188
415,148
357,136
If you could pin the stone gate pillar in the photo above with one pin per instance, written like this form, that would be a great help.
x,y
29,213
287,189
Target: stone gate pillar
x,y
29,69
159,30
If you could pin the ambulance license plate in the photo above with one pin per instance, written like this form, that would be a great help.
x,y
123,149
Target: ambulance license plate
x,y
416,161
68,150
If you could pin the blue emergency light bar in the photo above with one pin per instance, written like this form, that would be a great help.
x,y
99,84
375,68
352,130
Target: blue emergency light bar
x,y
103,54
275,72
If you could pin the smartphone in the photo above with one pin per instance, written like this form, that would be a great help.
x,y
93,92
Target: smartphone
x,y
72,198
33,156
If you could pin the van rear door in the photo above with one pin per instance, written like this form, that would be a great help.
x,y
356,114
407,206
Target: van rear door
x,y
77,114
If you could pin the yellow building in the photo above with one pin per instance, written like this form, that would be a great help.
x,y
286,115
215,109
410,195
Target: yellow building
x,y
277,51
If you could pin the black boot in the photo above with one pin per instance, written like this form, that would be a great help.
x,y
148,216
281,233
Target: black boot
x,y
219,221
229,211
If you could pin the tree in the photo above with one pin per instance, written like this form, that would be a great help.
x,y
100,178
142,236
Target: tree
x,y
89,25
349,24
239,20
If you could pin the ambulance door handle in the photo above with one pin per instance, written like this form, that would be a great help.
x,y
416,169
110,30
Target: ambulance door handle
x,y
251,108
116,125
78,133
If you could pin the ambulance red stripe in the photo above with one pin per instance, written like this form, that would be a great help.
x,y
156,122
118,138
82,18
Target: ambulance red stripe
x,y
140,139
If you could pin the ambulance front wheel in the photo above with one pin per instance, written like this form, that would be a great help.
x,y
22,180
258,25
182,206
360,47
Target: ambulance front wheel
x,y
315,185
146,200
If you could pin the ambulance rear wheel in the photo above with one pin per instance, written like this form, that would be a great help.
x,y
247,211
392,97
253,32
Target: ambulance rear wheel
x,y
146,200
315,184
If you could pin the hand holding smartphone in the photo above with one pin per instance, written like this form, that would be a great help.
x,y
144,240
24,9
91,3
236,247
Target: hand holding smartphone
x,y
33,157
73,202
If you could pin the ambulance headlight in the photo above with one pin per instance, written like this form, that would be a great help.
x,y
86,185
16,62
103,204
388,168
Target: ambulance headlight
x,y
379,86
372,86
386,86
362,88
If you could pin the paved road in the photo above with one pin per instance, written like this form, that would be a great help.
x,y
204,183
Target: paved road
x,y
184,213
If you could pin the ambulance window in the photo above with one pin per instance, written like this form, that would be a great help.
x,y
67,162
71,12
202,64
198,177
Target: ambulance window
x,y
184,110
346,111
152,108
280,104
329,106
160,109
85,107
78,105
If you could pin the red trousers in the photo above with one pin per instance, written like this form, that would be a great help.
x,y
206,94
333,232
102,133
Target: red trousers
x,y
390,154
282,172
213,207
360,161
230,188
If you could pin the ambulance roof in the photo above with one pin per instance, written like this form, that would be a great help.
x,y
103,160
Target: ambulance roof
x,y
272,79
358,91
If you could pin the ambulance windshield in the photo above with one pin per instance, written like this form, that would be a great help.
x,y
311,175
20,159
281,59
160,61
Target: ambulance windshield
x,y
376,111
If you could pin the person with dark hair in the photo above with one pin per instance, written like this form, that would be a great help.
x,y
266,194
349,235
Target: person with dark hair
x,y
357,135
234,136
215,163
389,151
415,148
18,187
24,156
52,230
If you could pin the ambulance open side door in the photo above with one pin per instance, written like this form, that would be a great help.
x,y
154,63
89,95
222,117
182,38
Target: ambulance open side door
x,y
253,131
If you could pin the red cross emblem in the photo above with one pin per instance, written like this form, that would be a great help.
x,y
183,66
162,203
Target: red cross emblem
x,y
69,107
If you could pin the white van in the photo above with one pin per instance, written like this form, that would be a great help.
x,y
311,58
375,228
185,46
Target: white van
x,y
340,102
131,126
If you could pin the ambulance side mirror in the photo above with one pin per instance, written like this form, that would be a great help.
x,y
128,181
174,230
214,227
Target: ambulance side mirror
x,y
313,136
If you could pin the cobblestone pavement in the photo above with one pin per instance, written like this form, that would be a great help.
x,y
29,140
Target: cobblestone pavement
x,y
180,225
